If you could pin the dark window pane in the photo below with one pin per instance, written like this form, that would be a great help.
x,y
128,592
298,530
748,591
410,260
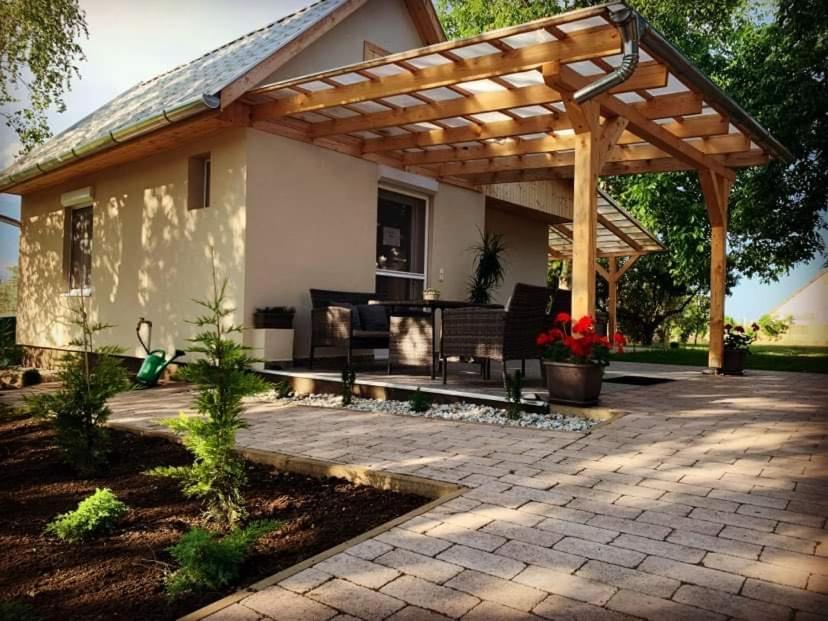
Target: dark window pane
x,y
207,182
80,274
395,288
400,233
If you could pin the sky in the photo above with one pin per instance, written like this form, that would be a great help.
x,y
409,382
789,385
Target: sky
x,y
133,41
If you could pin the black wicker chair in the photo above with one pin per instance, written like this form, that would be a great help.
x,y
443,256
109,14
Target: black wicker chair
x,y
335,322
495,334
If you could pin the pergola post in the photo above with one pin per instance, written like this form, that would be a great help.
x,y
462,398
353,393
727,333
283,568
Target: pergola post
x,y
612,302
716,191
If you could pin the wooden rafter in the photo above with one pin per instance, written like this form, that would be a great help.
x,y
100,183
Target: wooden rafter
x,y
594,42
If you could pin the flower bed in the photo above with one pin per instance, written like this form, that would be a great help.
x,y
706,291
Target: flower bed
x,y
466,412
121,575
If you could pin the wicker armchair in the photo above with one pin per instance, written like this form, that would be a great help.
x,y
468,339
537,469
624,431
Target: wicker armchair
x,y
335,322
495,334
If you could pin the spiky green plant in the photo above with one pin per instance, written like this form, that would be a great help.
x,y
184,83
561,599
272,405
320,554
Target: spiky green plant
x,y
488,267
514,394
348,381
78,411
419,402
96,514
220,373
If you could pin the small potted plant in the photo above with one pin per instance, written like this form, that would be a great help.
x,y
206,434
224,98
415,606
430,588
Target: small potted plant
x,y
431,294
274,317
737,342
574,357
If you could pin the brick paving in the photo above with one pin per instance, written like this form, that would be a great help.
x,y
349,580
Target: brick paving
x,y
708,500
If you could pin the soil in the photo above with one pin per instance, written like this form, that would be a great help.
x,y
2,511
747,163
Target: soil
x,y
121,576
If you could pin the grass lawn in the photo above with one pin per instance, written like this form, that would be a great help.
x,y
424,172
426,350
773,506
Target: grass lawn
x,y
764,357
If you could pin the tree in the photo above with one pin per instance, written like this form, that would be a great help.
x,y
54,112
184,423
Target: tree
x,y
693,320
222,379
774,327
78,410
39,55
8,291
772,58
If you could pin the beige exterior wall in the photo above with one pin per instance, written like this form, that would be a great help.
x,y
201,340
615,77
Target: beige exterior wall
x,y
311,223
525,256
150,254
457,216
385,23
808,307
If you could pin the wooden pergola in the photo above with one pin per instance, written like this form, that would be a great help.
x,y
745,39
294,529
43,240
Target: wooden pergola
x,y
587,93
618,236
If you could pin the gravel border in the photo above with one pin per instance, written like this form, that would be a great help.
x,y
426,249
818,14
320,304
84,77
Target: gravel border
x,y
464,412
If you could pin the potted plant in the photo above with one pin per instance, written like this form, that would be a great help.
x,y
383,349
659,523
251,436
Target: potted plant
x,y
574,357
431,294
274,317
736,347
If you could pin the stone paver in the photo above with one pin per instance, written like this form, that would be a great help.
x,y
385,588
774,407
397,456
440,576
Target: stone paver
x,y
706,501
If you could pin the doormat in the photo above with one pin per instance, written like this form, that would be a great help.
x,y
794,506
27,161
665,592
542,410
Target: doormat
x,y
637,380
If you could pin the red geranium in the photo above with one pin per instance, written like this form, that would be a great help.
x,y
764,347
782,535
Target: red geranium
x,y
579,344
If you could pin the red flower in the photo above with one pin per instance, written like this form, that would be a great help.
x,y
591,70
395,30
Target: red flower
x,y
563,318
739,329
727,326
555,335
619,339
543,339
755,327
583,325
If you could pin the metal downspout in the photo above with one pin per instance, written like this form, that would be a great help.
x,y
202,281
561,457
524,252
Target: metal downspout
x,y
627,22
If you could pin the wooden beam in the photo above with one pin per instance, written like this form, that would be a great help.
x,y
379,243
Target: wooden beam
x,y
266,67
627,265
619,233
491,150
507,157
652,109
581,45
565,79
602,272
462,106
612,302
716,190
585,210
426,21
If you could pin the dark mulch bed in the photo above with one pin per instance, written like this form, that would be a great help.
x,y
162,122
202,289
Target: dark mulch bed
x,y
120,576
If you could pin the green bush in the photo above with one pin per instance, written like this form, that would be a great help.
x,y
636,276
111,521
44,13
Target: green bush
x,y
96,515
284,389
31,377
514,394
11,355
209,563
348,381
78,410
419,402
222,379
17,611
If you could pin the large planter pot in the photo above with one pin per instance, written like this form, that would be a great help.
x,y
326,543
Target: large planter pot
x,y
573,384
734,362
273,320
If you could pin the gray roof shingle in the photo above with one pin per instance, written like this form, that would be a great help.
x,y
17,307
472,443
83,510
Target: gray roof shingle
x,y
199,79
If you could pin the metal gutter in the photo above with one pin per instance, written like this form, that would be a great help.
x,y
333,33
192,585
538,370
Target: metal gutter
x,y
626,20
118,136
9,220
682,67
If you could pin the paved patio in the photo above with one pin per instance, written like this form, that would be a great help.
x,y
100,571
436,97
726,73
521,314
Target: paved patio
x,y
708,500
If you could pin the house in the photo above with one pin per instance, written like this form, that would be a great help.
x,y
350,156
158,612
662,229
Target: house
x,y
376,175
808,309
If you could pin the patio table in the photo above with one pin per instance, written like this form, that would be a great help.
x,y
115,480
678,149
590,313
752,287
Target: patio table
x,y
433,306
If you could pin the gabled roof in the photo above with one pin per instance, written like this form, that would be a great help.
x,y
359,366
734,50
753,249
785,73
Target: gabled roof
x,y
176,94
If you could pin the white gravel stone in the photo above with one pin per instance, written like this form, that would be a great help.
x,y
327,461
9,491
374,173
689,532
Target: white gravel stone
x,y
468,412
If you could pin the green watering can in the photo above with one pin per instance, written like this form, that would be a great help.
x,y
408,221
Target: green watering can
x,y
156,360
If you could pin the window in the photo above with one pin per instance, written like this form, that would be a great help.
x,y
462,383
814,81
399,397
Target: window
x,y
80,248
198,180
401,245
370,51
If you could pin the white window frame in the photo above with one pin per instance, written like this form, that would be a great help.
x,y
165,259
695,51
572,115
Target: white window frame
x,y
426,237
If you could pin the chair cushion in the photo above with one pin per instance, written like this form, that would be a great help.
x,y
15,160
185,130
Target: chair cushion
x,y
356,324
373,317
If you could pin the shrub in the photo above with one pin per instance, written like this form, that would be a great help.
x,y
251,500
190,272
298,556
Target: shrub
x,y
283,389
78,410
348,381
419,402
17,611
30,377
514,394
488,267
222,379
96,514
674,345
209,563
11,354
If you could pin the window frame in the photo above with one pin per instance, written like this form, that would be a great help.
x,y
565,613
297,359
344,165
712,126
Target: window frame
x,y
78,288
426,199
